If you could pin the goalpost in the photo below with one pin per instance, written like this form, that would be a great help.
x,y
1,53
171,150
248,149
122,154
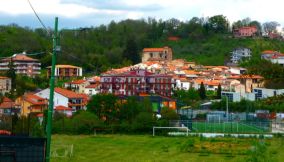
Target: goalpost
x,y
184,128
213,118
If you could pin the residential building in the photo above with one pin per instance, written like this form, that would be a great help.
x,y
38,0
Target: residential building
x,y
261,93
240,54
273,56
65,71
23,64
5,84
64,110
135,82
249,81
66,98
7,107
246,31
92,89
157,54
31,103
77,86
237,96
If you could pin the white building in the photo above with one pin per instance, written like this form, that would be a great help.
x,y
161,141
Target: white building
x,y
239,54
273,56
64,97
92,89
5,84
261,93
237,97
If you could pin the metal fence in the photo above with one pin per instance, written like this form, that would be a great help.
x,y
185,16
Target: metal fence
x,y
22,149
225,126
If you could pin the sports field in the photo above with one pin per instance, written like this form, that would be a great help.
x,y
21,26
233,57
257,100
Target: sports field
x,y
230,127
145,148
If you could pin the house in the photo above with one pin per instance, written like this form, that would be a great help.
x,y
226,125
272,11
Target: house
x,y
157,54
77,86
63,110
249,81
7,107
5,84
240,54
65,71
31,103
261,93
237,96
246,31
23,64
66,98
273,56
135,82
92,89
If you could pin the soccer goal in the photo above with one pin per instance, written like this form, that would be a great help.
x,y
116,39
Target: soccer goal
x,y
178,129
62,151
213,118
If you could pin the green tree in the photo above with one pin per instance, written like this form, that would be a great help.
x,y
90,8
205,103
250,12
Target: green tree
x,y
11,73
219,90
104,106
131,50
218,23
202,91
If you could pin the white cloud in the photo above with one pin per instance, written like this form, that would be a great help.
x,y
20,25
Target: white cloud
x,y
261,10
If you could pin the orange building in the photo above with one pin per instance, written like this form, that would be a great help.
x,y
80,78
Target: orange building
x,y
65,71
30,103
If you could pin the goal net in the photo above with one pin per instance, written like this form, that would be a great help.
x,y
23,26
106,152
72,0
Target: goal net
x,y
172,131
62,151
213,118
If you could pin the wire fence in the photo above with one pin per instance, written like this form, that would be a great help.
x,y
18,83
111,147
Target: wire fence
x,y
226,126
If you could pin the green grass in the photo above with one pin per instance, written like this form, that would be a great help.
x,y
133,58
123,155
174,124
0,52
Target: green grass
x,y
230,127
145,148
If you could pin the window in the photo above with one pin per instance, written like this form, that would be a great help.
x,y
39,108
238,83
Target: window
x,y
151,55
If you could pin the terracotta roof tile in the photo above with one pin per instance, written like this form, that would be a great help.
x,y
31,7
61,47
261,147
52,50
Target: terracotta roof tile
x,y
7,103
62,108
34,99
67,93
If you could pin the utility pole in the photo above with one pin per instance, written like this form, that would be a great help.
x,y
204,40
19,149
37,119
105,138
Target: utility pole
x,y
51,86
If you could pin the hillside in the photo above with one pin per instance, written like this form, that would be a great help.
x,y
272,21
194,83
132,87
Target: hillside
x,y
215,49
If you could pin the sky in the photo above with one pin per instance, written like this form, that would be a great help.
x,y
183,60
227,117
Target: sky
x,y
87,13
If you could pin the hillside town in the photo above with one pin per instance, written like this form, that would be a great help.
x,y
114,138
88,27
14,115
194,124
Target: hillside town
x,y
141,81
157,75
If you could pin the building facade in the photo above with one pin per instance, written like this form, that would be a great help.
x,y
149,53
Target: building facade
x,y
65,71
23,65
66,98
247,31
5,84
261,93
273,56
30,103
157,54
137,82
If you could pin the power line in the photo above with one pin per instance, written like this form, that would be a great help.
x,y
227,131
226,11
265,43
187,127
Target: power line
x,y
38,17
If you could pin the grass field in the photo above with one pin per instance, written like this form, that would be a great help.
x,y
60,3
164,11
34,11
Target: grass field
x,y
229,127
144,148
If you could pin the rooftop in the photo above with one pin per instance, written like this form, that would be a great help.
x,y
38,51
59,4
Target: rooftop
x,y
67,93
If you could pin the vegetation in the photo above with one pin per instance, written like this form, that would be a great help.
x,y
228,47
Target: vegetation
x,y
147,148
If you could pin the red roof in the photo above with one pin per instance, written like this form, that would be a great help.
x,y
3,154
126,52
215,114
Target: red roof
x,y
173,38
62,108
246,77
7,103
67,93
3,77
153,49
34,99
92,86
20,57
78,81
40,115
269,52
